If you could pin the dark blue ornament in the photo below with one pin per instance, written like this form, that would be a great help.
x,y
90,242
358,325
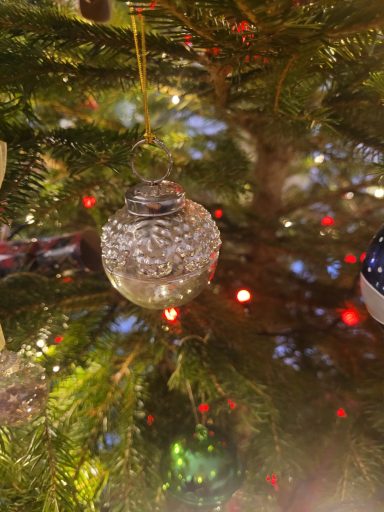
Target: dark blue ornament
x,y
372,277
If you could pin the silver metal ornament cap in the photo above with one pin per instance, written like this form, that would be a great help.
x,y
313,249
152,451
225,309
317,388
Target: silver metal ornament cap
x,y
155,200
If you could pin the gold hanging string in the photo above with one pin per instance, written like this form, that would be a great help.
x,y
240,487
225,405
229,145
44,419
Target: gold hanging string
x,y
3,165
2,339
141,56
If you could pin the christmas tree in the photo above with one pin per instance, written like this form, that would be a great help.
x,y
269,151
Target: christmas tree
x,y
263,393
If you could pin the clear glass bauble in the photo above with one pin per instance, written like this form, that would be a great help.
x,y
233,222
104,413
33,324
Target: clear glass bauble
x,y
201,470
160,249
23,389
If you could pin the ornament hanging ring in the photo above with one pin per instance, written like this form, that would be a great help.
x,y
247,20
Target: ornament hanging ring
x,y
154,142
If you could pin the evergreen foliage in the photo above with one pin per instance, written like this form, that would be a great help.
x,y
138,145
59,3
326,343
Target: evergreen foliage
x,y
280,123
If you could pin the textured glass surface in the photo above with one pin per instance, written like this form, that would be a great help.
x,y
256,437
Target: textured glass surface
x,y
23,389
161,261
202,469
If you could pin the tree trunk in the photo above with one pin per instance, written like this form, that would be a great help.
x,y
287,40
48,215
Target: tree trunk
x,y
271,171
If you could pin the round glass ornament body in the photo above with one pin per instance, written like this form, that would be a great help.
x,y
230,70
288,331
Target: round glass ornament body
x,y
160,249
23,389
372,277
201,470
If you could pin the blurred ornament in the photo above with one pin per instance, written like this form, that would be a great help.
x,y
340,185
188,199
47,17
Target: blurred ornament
x,y
52,255
202,470
95,10
372,277
160,249
23,389
363,255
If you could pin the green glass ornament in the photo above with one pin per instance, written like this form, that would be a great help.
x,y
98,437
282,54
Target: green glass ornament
x,y
202,470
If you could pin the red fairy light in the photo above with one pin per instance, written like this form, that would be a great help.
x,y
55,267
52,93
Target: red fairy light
x,y
188,39
243,296
327,221
350,258
215,51
218,213
67,279
171,314
139,10
350,316
150,419
91,103
59,339
243,26
341,413
232,405
363,255
273,480
152,5
203,408
89,201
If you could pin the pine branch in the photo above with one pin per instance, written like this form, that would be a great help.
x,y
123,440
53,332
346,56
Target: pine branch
x,y
247,11
69,33
187,21
281,82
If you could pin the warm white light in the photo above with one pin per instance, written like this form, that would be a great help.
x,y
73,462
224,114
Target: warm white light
x,y
288,224
40,343
175,99
379,192
30,219
319,159
56,368
243,295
